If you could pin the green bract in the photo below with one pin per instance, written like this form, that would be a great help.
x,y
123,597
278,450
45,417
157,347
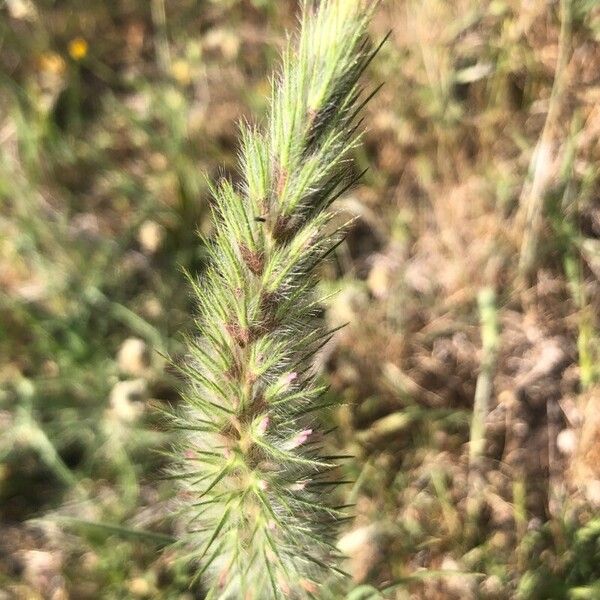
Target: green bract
x,y
255,484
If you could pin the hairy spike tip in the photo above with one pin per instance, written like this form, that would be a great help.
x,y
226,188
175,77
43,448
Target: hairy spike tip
x,y
259,515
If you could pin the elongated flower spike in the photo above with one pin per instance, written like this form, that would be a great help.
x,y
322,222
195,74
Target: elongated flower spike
x,y
254,483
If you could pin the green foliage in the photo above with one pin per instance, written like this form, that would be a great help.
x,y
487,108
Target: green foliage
x,y
255,482
574,573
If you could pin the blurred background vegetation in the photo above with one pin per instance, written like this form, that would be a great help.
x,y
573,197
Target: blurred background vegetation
x,y
470,371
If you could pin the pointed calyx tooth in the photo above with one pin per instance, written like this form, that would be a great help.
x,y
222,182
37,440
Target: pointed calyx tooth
x,y
239,334
262,426
284,228
299,439
255,260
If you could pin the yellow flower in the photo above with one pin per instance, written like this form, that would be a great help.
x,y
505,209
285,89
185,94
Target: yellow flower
x,y
181,71
50,62
78,48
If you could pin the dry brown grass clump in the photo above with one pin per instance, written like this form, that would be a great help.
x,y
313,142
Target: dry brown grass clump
x,y
455,136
